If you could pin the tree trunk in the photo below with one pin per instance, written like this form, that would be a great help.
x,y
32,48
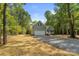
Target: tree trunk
x,y
63,31
73,29
4,24
72,33
0,38
67,32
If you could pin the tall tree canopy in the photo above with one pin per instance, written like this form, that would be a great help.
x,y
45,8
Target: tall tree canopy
x,y
66,19
13,20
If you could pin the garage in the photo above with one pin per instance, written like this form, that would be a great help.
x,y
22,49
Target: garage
x,y
39,32
38,28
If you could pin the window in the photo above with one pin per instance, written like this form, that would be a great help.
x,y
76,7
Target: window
x,y
39,24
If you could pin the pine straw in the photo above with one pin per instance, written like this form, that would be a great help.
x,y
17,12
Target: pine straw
x,y
26,45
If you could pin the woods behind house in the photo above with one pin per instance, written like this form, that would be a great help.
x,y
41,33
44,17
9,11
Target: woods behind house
x,y
15,20
65,20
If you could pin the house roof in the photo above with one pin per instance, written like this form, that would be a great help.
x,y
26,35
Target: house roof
x,y
39,26
38,23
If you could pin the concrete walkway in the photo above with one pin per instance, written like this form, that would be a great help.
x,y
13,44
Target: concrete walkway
x,y
71,45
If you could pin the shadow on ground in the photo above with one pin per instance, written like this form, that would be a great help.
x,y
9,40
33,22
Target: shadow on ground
x,y
71,45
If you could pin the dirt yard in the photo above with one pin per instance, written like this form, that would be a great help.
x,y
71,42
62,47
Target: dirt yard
x,y
26,45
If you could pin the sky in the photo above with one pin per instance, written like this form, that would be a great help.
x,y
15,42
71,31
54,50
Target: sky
x,y
37,10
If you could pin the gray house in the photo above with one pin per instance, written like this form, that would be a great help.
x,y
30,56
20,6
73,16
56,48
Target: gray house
x,y
38,28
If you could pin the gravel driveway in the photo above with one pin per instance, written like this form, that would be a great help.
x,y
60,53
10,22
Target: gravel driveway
x,y
71,45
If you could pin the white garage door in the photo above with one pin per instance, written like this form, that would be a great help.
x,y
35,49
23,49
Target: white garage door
x,y
39,32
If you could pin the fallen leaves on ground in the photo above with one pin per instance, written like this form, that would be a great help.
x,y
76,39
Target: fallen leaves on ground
x,y
26,45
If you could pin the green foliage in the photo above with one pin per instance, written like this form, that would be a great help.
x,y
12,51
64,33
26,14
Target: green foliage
x,y
17,19
60,21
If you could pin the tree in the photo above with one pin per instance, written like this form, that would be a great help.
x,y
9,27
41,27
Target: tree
x,y
4,24
48,16
17,19
22,17
72,32
72,10
65,19
13,20
1,5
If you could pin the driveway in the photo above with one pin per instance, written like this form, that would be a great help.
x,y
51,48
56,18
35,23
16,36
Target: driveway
x,y
71,45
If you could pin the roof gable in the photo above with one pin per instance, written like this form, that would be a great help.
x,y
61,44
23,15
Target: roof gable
x,y
39,23
39,26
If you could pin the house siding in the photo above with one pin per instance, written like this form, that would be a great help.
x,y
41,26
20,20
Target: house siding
x,y
39,29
